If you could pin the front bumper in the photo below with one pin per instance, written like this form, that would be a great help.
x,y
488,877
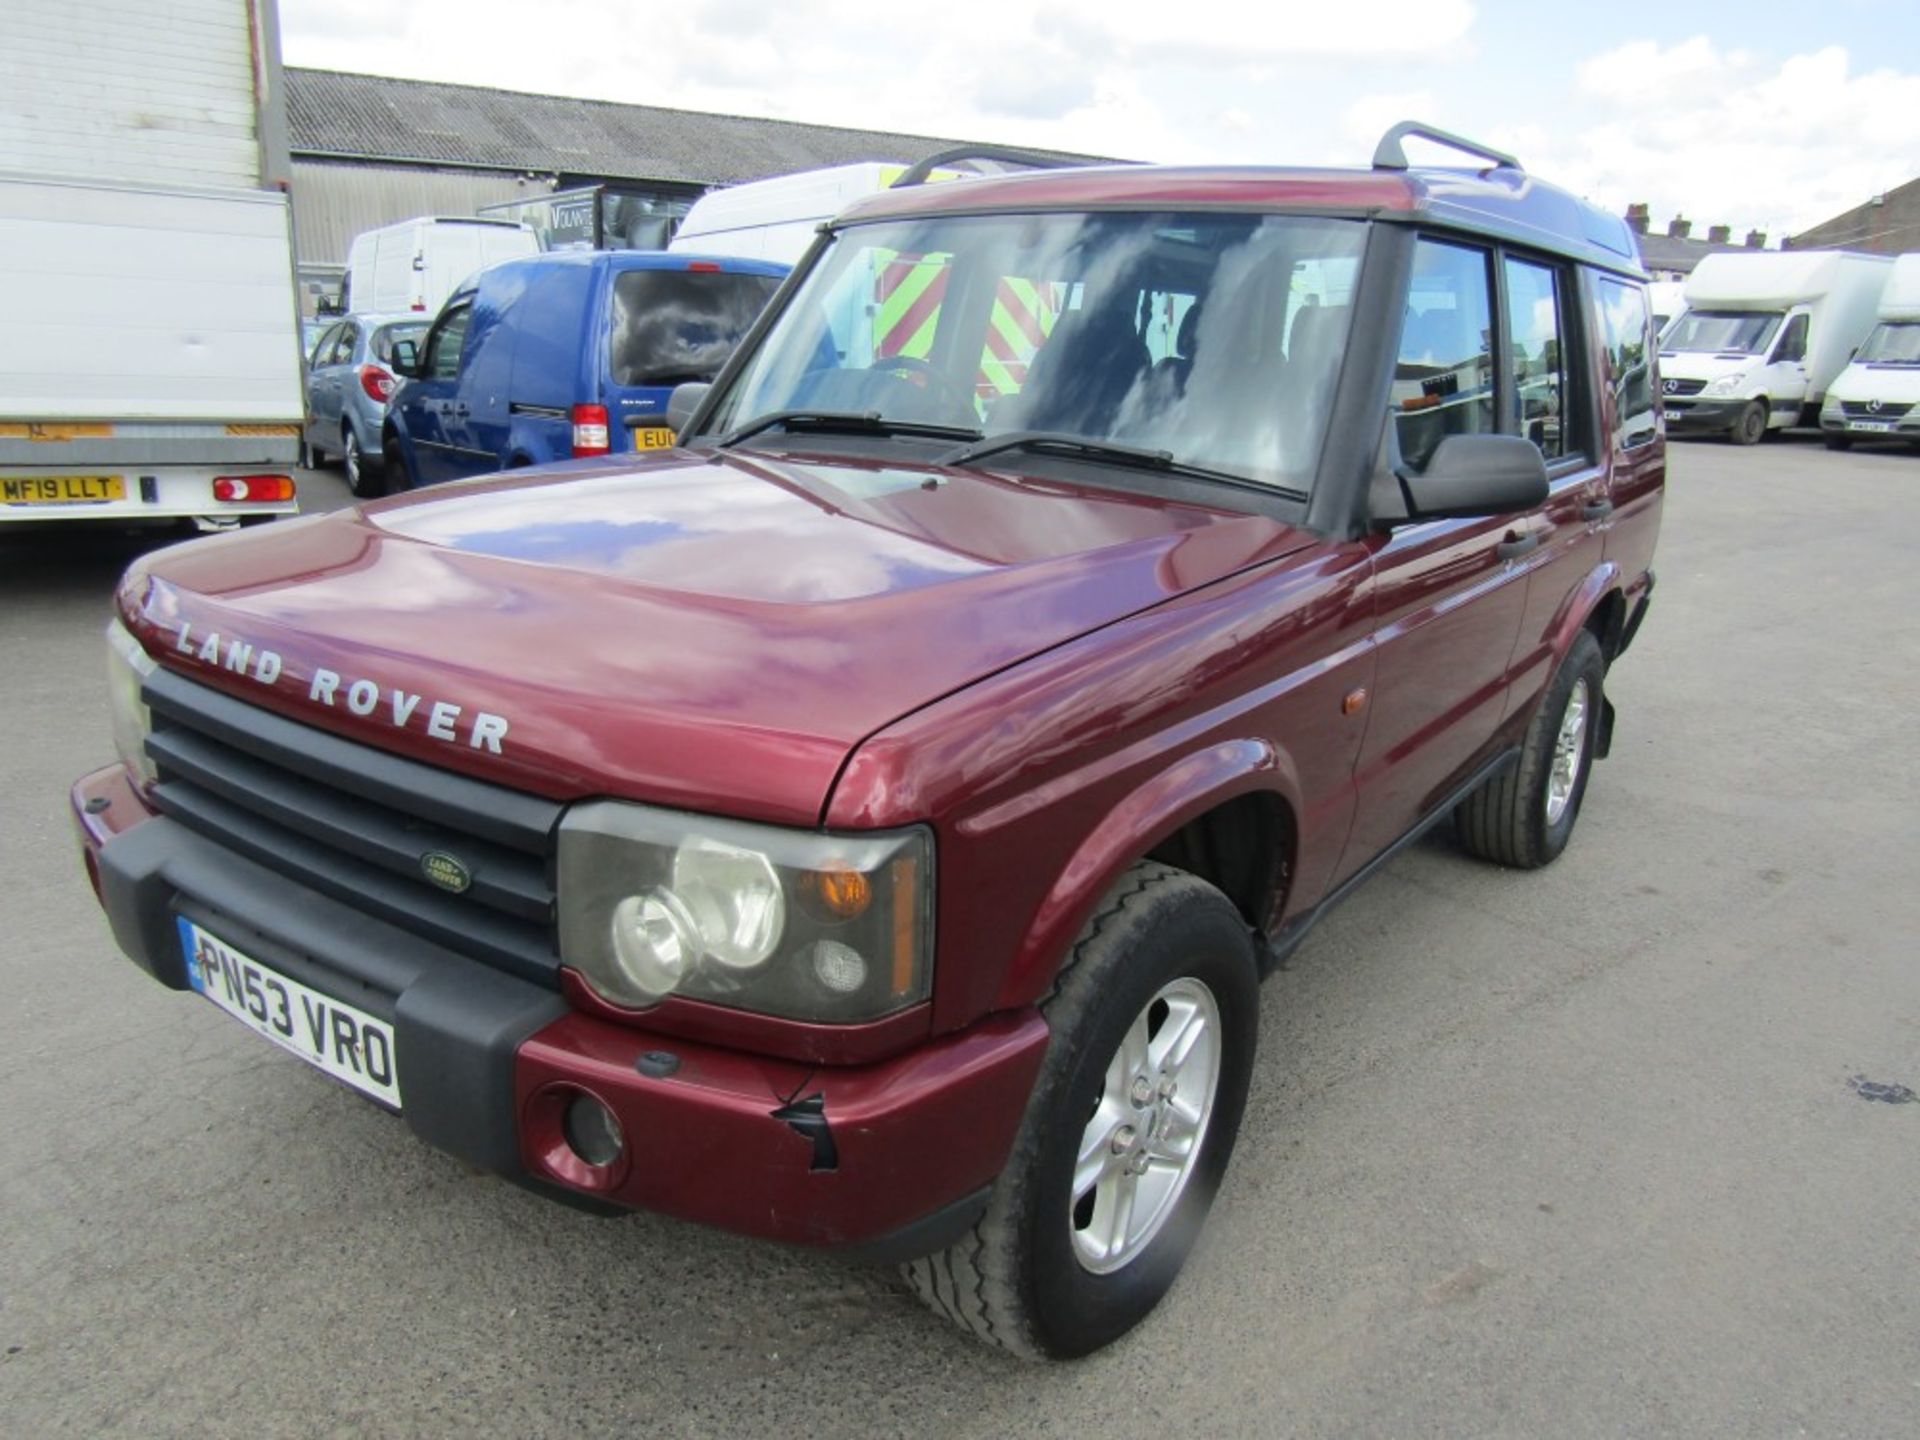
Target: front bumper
x,y
891,1158
1703,417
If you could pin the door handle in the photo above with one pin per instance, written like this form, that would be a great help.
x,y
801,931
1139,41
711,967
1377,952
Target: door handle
x,y
1514,546
1596,510
460,409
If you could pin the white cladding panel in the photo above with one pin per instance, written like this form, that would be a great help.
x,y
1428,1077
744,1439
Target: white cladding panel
x,y
1775,279
130,90
125,304
1901,300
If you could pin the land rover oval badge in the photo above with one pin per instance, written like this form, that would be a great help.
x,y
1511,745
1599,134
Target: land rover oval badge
x,y
445,871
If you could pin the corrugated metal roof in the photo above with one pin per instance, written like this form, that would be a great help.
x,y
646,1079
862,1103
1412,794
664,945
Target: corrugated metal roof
x,y
371,117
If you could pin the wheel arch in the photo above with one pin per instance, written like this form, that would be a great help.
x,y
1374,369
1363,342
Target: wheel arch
x,y
1227,813
1597,603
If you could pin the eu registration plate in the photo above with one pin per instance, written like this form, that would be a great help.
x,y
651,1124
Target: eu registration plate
x,y
328,1034
61,489
1876,427
652,437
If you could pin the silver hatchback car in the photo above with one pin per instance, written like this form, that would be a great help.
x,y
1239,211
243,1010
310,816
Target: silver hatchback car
x,y
349,381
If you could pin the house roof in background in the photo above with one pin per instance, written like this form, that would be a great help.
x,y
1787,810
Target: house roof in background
x,y
371,117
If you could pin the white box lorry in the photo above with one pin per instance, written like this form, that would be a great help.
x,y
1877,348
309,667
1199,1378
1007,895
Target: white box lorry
x,y
149,325
1877,397
415,264
1762,336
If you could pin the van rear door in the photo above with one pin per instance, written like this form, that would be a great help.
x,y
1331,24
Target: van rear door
x,y
668,326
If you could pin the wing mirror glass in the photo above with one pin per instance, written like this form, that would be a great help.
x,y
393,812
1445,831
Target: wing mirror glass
x,y
1478,475
683,400
406,359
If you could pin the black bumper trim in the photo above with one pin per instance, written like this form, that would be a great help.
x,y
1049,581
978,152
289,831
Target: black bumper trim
x,y
457,1023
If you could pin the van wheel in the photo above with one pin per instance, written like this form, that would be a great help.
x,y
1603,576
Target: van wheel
x,y
396,475
309,456
1523,817
1837,442
363,479
1128,1132
1751,427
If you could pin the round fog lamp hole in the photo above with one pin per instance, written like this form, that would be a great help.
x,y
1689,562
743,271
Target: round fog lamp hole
x,y
840,968
592,1132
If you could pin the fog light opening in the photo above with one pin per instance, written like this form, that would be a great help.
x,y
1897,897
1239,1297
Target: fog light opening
x,y
592,1132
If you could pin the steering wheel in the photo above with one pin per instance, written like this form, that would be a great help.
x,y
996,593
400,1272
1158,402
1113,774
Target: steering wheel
x,y
946,399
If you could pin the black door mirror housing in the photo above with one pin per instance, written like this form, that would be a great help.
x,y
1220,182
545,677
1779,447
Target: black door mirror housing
x,y
1472,475
406,359
683,400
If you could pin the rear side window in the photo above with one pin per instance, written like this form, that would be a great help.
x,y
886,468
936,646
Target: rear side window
x,y
383,339
1535,307
1443,380
1629,341
675,325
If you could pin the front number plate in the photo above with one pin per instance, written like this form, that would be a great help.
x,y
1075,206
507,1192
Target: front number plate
x,y
652,437
329,1034
1877,427
61,489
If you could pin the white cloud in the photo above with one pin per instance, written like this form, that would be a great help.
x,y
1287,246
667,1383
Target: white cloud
x,y
1728,138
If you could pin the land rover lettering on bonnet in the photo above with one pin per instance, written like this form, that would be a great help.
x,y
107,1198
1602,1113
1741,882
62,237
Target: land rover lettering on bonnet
x,y
867,823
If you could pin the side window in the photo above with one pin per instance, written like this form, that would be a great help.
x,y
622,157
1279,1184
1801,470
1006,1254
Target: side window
x,y
1443,381
1793,340
443,346
323,347
1625,329
344,343
1534,336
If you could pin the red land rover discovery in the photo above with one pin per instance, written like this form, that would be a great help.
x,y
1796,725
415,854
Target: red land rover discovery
x,y
867,824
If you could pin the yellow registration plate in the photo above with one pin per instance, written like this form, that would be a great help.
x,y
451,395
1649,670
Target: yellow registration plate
x,y
61,489
652,437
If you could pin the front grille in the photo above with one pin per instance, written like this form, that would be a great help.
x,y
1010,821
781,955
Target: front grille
x,y
1682,387
353,822
1872,409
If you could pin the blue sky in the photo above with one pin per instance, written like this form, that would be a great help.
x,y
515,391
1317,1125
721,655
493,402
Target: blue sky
x,y
1763,115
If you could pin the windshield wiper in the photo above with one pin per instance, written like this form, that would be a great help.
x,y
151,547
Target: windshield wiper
x,y
870,422
1136,457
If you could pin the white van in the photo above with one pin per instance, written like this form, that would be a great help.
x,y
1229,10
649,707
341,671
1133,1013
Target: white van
x,y
1878,395
776,219
416,264
1762,336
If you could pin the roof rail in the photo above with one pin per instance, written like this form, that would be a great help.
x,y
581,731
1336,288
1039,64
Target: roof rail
x,y
1389,154
1032,159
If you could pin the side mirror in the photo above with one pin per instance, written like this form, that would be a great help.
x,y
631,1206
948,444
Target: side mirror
x,y
406,359
683,401
1478,475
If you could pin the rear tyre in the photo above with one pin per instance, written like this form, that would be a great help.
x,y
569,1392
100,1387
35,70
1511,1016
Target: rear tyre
x,y
363,480
1128,1132
1751,427
309,457
396,473
1837,442
1524,816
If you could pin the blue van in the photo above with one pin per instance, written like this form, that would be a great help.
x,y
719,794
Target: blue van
x,y
565,354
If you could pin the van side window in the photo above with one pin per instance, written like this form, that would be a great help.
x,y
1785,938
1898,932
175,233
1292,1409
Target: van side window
x,y
443,346
1443,381
1793,341
1535,340
1630,348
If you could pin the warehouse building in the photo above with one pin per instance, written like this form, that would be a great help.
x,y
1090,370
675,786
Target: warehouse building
x,y
368,150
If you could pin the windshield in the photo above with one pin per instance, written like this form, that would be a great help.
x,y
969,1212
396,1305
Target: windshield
x,y
1746,331
676,325
386,335
1215,338
1896,342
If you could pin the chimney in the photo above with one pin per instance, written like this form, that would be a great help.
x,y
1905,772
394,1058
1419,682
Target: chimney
x,y
1678,228
1719,234
1639,216
1756,240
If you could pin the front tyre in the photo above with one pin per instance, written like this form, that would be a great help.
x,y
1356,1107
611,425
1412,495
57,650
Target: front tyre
x,y
1524,816
1837,442
1751,427
1128,1132
363,480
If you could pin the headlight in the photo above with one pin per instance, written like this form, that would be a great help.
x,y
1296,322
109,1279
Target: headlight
x,y
1727,384
791,923
127,669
